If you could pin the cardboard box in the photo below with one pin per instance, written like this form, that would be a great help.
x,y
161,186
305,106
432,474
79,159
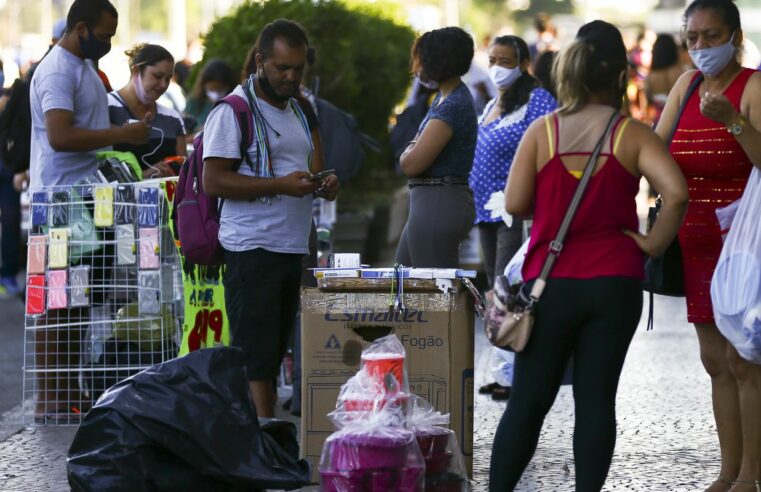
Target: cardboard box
x,y
437,334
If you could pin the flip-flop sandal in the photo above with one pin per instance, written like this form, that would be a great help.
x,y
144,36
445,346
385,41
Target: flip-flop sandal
x,y
500,394
488,389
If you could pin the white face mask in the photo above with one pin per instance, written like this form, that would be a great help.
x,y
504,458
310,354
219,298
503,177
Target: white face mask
x,y
214,96
711,61
503,77
431,85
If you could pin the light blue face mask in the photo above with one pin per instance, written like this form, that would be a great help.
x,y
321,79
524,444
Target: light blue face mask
x,y
711,61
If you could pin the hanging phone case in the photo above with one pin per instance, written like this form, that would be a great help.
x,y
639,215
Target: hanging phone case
x,y
104,206
125,244
35,259
57,289
149,248
148,292
39,208
58,252
79,286
35,294
60,208
148,207
124,205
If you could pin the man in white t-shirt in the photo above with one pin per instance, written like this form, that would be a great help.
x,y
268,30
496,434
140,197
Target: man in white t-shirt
x,y
69,124
266,216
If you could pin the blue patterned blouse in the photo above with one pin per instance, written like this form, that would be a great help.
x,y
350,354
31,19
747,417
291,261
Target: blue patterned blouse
x,y
496,146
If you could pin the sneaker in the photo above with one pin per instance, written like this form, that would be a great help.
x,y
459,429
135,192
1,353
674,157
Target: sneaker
x,y
9,286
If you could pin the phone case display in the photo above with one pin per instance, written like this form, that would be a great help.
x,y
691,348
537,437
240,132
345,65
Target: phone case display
x,y
147,212
59,248
79,286
60,208
57,289
149,249
36,252
125,244
39,208
84,279
125,209
35,294
104,206
148,295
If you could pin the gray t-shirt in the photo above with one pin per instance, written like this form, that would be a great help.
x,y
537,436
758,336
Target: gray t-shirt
x,y
62,80
281,226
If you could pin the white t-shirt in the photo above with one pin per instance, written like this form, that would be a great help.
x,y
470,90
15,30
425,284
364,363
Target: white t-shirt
x,y
281,226
62,80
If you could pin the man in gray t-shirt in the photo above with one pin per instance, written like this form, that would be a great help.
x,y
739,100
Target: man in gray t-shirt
x,y
69,123
68,101
266,216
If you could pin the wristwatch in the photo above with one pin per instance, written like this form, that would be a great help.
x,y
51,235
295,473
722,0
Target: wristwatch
x,y
737,127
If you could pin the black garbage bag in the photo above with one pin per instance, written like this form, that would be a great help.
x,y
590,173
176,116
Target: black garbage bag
x,y
184,425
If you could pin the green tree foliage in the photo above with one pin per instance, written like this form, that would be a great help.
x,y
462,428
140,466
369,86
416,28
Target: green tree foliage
x,y
362,51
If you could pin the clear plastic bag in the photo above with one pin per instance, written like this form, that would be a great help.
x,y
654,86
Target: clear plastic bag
x,y
383,361
736,282
502,366
444,466
514,268
363,395
372,455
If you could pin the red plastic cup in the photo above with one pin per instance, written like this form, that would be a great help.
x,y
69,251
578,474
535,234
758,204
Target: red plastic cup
x,y
380,365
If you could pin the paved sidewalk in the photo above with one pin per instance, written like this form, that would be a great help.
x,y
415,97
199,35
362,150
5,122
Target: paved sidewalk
x,y
666,433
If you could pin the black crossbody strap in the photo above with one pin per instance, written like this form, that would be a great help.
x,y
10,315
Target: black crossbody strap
x,y
692,87
557,245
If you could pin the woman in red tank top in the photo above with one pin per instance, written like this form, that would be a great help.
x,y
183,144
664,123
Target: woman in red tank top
x,y
592,302
716,144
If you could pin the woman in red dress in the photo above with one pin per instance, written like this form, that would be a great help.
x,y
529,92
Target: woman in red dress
x,y
716,144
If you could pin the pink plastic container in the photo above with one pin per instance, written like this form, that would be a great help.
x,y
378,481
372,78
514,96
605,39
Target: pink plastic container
x,y
397,479
365,451
433,441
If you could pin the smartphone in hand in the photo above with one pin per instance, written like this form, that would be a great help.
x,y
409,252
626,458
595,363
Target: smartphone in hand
x,y
321,175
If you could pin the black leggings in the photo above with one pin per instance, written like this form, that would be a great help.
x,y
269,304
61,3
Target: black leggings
x,y
594,320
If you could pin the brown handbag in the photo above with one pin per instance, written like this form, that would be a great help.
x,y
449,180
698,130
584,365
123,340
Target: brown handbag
x,y
510,316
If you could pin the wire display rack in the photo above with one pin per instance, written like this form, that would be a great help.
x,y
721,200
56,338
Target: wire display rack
x,y
104,295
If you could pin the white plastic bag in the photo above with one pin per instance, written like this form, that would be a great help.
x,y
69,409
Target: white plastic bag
x,y
514,268
502,367
736,282
726,215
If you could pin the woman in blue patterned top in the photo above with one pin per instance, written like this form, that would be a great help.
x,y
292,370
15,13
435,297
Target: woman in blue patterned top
x,y
501,127
438,161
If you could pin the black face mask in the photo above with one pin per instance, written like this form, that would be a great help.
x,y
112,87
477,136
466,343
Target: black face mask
x,y
264,83
93,48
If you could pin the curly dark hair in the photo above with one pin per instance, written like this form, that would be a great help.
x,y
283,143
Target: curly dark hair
x,y
519,93
442,54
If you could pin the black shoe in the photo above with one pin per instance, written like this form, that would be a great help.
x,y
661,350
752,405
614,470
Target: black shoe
x,y
488,389
501,394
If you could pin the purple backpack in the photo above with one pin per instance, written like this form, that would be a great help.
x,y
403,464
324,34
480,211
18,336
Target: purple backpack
x,y
196,215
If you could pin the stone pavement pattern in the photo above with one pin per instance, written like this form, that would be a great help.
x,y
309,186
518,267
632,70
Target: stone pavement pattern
x,y
666,433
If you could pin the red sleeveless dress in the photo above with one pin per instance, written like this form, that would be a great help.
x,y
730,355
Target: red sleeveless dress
x,y
595,245
717,170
